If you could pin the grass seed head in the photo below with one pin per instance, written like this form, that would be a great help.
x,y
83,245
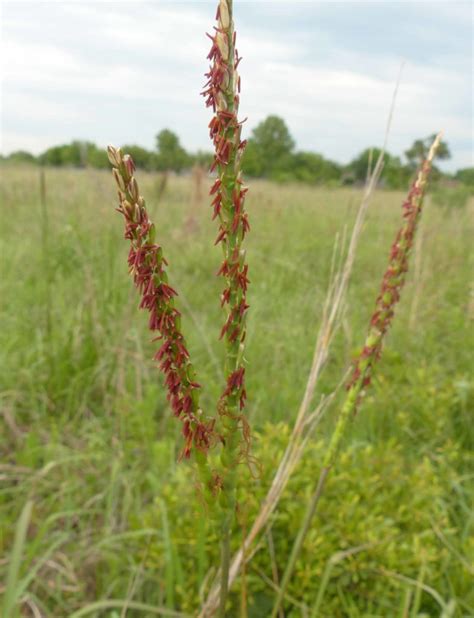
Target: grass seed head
x,y
147,265
394,277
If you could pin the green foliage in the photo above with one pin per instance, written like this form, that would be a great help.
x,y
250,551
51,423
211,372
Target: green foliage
x,y
12,592
252,162
466,176
142,157
394,175
171,155
75,154
451,197
270,153
21,156
384,507
56,156
314,168
360,166
419,151
272,144
97,158
88,436
202,158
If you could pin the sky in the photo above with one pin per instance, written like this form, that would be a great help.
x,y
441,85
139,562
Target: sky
x,y
119,72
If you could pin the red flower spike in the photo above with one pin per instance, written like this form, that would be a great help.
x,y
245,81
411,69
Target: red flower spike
x,y
221,93
393,279
147,264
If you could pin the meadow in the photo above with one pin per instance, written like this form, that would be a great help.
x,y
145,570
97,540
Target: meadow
x,y
87,442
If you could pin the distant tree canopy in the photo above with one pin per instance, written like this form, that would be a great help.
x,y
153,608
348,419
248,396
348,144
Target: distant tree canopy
x,y
21,156
171,156
314,168
270,147
270,153
395,175
419,150
466,176
75,154
141,156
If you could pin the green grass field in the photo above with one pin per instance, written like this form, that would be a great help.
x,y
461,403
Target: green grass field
x,y
87,441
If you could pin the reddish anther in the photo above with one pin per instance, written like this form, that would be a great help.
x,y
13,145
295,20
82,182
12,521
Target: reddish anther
x,y
221,94
393,280
147,264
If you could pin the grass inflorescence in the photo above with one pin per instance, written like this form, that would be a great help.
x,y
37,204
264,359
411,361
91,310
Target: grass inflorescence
x,y
103,517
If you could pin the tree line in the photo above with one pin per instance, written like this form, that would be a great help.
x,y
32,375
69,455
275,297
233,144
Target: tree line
x,y
270,153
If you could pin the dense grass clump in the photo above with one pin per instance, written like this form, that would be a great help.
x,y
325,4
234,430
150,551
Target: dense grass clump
x,y
85,433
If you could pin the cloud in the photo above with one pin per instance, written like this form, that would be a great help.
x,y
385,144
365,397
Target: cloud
x,y
119,72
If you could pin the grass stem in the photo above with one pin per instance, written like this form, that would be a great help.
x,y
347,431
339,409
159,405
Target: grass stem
x,y
389,296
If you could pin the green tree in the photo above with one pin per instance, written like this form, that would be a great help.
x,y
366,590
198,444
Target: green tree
x,y
21,156
359,167
419,149
171,155
252,161
466,176
202,158
74,154
395,175
270,147
313,168
51,156
142,157
97,157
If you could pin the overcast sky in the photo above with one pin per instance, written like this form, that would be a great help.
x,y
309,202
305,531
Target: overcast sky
x,y
119,72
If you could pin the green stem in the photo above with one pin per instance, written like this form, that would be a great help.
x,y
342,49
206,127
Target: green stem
x,y
311,510
322,588
225,562
228,502
350,405
46,261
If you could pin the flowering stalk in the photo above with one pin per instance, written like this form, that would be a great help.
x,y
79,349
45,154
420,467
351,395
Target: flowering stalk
x,y
148,267
222,94
392,283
